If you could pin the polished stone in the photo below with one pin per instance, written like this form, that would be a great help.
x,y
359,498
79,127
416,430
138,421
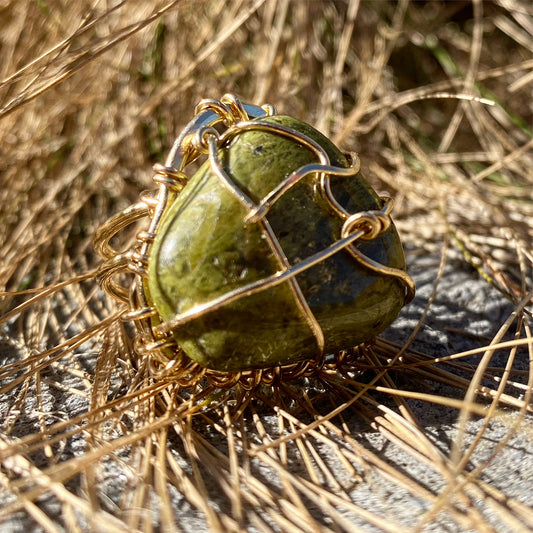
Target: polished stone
x,y
204,249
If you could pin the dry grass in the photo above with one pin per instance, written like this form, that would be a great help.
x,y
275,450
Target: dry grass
x,y
435,96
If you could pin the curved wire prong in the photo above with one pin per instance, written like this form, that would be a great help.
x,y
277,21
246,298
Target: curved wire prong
x,y
236,107
114,266
373,223
401,275
273,196
115,224
325,185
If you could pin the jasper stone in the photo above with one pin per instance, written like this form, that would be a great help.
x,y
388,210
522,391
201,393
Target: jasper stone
x,y
204,249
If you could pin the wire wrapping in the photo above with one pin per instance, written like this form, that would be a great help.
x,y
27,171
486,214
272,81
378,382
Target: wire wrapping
x,y
154,339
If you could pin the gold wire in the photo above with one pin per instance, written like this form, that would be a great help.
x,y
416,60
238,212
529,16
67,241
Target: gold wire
x,y
154,342
115,224
115,266
236,107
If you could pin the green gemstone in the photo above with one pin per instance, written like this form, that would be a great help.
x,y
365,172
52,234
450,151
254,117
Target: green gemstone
x,y
204,249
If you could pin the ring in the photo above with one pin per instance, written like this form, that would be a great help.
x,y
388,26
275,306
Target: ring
x,y
275,254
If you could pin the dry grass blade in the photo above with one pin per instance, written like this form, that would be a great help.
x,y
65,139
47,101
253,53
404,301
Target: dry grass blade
x,y
429,429
49,74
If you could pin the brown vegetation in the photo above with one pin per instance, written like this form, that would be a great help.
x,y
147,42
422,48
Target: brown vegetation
x,y
435,97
